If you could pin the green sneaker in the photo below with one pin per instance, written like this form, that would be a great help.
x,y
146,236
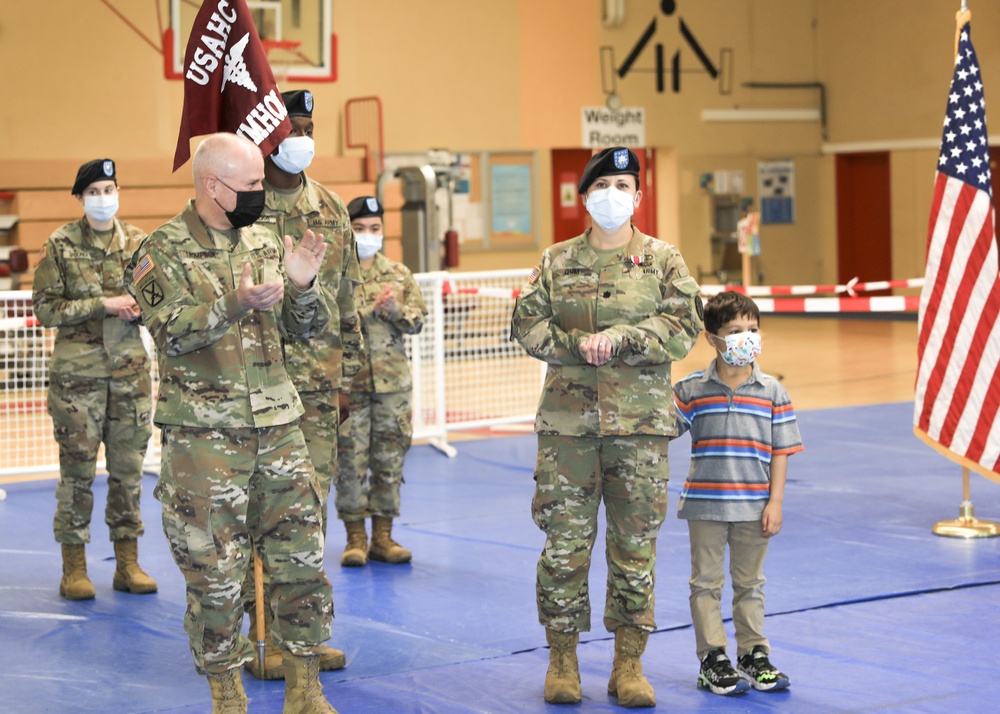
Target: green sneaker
x,y
757,669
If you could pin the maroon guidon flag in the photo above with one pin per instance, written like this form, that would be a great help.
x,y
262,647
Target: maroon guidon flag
x,y
958,349
228,83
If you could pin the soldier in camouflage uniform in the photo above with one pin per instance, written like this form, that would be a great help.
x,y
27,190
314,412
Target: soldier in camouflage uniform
x,y
380,429
608,311
99,383
322,367
220,296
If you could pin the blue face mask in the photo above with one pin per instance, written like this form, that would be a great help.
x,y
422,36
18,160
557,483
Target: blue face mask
x,y
101,208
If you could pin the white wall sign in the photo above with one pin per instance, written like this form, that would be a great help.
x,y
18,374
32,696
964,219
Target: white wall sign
x,y
603,127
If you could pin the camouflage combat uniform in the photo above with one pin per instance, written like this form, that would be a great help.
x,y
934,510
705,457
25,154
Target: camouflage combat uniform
x,y
235,464
603,431
323,366
99,383
380,429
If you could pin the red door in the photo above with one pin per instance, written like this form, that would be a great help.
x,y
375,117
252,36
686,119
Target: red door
x,y
569,217
864,223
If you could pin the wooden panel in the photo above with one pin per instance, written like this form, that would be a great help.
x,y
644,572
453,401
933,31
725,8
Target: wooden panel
x,y
47,204
392,224
349,191
50,204
337,169
154,202
60,173
32,235
393,198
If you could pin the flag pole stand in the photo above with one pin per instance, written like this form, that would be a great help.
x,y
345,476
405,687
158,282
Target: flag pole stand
x,y
966,525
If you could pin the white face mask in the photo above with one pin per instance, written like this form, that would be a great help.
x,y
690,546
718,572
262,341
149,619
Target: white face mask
x,y
294,154
368,244
101,208
610,208
742,348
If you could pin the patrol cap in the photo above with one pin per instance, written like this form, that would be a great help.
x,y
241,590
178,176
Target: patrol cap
x,y
96,170
298,102
610,161
364,206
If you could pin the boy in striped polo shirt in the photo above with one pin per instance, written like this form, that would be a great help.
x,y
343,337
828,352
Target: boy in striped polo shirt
x,y
742,431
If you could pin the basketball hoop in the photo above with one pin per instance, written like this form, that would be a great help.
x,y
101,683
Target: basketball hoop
x,y
285,57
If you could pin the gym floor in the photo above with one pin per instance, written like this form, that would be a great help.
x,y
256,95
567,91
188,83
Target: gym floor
x,y
868,610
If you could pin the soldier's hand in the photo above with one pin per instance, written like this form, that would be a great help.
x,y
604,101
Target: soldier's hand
x,y
343,406
258,297
114,305
129,313
303,263
386,301
596,349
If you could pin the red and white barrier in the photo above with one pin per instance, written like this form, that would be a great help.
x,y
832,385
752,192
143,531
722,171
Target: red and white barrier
x,y
763,295
885,303
16,323
851,288
449,288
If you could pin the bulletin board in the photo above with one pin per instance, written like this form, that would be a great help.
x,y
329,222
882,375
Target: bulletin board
x,y
512,183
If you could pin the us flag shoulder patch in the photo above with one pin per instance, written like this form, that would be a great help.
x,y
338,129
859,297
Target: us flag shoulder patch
x,y
533,275
144,266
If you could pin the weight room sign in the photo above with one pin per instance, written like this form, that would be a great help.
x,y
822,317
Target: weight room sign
x,y
603,127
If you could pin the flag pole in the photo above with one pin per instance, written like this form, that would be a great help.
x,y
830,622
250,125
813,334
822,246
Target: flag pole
x,y
963,16
258,581
966,525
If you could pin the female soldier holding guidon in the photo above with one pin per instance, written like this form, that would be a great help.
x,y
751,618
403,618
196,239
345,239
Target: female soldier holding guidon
x,y
608,311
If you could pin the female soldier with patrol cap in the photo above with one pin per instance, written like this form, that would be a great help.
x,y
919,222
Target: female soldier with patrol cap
x,y
608,311
99,384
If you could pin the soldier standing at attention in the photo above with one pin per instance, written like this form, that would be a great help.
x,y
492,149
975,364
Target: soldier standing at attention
x,y
220,296
380,429
321,368
99,384
608,311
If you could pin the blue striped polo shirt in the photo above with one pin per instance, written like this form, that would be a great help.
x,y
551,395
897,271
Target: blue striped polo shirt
x,y
733,436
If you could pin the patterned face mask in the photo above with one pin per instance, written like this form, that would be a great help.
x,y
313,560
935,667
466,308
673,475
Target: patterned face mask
x,y
741,348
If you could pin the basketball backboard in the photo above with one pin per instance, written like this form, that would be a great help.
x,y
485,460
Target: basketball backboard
x,y
297,36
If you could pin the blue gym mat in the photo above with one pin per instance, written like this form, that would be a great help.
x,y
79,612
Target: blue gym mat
x,y
868,610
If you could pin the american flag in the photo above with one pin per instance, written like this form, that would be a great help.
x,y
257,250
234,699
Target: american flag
x,y
958,351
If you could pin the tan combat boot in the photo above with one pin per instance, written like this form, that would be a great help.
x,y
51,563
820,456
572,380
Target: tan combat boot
x,y
129,577
303,691
356,551
228,696
272,655
331,659
562,680
627,681
383,547
75,585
